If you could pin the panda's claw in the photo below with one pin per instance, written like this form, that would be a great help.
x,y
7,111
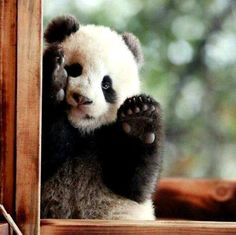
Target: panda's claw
x,y
141,118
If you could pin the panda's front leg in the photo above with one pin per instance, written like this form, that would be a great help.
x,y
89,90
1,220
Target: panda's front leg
x,y
55,128
54,75
133,165
140,120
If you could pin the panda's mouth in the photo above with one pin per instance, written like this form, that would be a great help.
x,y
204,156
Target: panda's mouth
x,y
89,117
81,112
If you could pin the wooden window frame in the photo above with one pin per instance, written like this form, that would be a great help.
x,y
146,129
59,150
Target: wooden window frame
x,y
20,132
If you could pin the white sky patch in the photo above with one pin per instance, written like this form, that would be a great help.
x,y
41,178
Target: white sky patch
x,y
52,7
180,52
191,100
221,50
89,5
187,27
121,11
188,5
219,6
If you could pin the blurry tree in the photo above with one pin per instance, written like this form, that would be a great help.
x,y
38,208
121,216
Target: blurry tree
x,y
190,57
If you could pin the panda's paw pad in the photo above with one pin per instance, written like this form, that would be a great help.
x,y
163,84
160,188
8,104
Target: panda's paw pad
x,y
138,116
149,138
126,127
55,59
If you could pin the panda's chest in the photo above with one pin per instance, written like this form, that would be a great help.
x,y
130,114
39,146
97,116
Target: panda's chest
x,y
78,188
83,174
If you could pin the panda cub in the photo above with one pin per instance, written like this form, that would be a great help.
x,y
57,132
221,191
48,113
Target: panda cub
x,y
101,138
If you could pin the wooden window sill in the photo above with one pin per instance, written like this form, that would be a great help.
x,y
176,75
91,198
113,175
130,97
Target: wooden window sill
x,y
93,227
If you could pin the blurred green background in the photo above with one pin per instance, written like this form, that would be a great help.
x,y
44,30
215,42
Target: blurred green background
x,y
190,56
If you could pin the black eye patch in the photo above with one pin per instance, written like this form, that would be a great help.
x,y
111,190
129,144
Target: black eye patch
x,y
74,70
108,91
106,83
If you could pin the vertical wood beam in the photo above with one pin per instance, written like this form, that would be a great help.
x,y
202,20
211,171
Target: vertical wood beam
x,y
7,102
28,116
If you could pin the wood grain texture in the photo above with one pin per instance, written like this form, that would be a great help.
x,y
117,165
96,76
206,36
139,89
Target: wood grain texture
x,y
4,229
28,116
196,199
7,102
94,227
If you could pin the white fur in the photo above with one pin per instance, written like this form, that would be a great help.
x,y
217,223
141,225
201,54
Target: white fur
x,y
101,52
130,210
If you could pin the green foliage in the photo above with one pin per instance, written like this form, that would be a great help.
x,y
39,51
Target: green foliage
x,y
190,57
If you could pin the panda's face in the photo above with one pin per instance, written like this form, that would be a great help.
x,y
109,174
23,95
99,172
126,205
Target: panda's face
x,y
102,73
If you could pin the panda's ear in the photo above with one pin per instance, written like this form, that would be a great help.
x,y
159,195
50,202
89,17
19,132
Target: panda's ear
x,y
60,28
134,45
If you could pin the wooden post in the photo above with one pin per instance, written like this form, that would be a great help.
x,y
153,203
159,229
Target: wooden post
x,y
7,102
28,116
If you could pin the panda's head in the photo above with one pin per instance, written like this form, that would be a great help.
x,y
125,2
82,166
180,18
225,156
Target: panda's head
x,y
102,69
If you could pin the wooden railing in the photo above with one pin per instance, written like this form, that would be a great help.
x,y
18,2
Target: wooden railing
x,y
196,199
161,227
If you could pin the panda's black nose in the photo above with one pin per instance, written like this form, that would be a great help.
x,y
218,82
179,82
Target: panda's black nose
x,y
81,100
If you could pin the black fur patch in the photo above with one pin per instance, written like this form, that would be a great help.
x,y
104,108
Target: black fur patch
x,y
131,167
108,91
74,70
54,76
60,28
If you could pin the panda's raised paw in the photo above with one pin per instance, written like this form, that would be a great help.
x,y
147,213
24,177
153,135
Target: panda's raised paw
x,y
54,56
139,117
59,74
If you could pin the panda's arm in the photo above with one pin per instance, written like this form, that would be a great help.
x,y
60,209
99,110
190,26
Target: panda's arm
x,y
131,157
58,145
54,74
55,130
54,79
